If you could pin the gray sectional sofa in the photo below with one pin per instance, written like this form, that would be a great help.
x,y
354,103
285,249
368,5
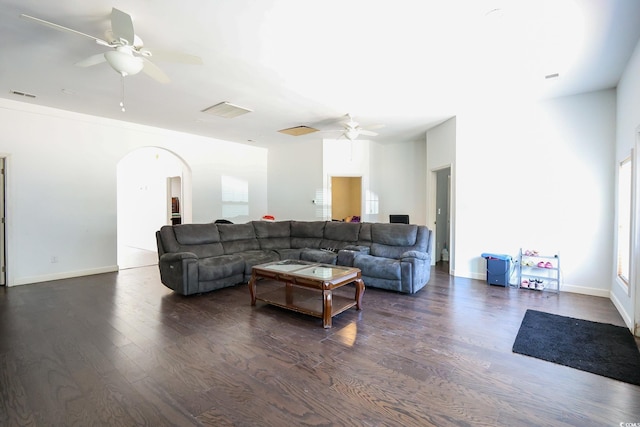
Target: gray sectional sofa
x,y
197,258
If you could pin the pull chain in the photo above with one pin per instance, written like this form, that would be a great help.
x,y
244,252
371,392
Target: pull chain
x,y
122,93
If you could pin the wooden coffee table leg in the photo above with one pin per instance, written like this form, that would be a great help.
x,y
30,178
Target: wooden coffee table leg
x,y
289,293
326,308
252,288
359,293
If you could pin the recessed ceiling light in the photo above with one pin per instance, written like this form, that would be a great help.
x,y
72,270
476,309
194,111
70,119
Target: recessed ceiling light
x,y
226,110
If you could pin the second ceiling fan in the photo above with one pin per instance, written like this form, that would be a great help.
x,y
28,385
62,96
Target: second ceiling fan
x,y
351,129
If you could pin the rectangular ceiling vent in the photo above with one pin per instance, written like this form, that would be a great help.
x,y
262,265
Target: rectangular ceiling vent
x,y
298,130
17,92
226,110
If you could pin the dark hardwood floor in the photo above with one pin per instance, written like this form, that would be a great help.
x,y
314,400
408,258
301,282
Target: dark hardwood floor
x,y
121,349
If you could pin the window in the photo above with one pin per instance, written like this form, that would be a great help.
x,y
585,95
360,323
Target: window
x,y
371,203
624,219
235,197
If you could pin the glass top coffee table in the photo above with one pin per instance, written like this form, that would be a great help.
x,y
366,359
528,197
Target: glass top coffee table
x,y
308,287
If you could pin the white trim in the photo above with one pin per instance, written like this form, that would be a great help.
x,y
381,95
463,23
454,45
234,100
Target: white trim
x,y
624,287
634,279
432,193
469,274
575,289
625,316
64,275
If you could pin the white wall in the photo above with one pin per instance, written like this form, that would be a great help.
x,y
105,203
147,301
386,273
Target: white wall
x,y
61,186
395,172
295,180
441,151
398,176
538,177
628,126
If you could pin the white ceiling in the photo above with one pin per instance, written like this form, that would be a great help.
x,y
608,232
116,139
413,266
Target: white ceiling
x,y
407,64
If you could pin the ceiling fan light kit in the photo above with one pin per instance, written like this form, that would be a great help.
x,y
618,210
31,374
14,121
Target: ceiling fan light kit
x,y
351,134
124,63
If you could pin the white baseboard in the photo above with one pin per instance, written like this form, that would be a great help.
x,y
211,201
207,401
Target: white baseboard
x,y
564,287
605,293
469,274
63,275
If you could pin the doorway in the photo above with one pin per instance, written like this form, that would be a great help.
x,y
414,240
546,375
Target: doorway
x,y
346,198
150,187
443,218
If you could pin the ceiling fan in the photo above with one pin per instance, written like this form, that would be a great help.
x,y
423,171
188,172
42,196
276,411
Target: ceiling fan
x,y
128,55
352,129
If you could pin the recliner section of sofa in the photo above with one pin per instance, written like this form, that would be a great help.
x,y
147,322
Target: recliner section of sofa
x,y
197,258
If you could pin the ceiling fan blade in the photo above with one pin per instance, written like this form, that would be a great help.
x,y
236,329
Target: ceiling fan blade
x,y
61,28
122,25
179,57
153,71
92,60
367,132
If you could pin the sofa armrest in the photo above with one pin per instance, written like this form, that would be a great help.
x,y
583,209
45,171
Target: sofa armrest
x,y
179,272
415,254
177,256
346,257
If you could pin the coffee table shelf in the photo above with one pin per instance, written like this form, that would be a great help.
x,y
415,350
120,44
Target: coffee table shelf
x,y
305,301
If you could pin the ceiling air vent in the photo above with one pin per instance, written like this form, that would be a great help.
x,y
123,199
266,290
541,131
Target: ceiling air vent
x,y
226,110
17,92
298,130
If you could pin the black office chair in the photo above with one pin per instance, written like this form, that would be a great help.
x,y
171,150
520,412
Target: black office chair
x,y
222,221
399,219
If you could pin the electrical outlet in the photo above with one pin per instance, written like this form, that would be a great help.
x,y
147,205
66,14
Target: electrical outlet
x,y
54,259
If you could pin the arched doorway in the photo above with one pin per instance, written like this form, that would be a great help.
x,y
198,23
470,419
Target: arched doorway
x,y
149,182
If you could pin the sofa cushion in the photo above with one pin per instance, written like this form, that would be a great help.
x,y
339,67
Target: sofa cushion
x,y
193,238
392,240
307,234
238,238
273,235
337,235
364,237
252,258
196,234
319,255
378,267
394,234
289,253
219,267
342,231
